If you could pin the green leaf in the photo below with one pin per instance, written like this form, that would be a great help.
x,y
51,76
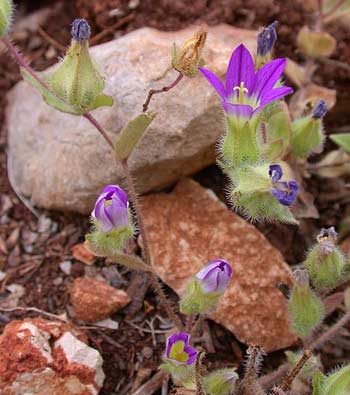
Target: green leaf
x,y
338,383
51,98
343,140
102,101
6,11
128,138
318,382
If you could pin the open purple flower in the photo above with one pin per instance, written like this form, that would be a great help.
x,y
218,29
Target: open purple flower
x,y
111,209
178,351
215,276
247,92
284,191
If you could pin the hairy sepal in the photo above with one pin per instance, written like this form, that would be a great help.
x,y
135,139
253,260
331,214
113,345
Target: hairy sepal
x,y
307,136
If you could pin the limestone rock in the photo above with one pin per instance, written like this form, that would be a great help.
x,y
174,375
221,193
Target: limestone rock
x,y
43,357
61,162
95,300
189,227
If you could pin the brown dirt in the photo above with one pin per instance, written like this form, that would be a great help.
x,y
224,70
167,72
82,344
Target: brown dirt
x,y
31,250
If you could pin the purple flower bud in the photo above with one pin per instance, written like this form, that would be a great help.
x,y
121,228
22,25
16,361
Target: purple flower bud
x,y
301,276
111,209
327,240
215,276
80,30
267,39
178,351
284,191
320,110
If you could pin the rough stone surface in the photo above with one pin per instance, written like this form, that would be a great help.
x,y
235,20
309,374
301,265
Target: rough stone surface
x,y
189,227
43,357
95,300
61,162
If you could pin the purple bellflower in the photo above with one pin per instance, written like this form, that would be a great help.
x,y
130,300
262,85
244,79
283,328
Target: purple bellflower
x,y
178,350
247,92
111,209
215,276
284,191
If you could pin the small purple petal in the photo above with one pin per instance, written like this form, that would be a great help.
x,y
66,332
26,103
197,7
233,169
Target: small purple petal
x,y
192,354
267,77
240,69
274,94
215,276
286,192
275,173
214,81
239,110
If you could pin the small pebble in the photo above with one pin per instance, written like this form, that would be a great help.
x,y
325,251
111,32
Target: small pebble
x,y
66,267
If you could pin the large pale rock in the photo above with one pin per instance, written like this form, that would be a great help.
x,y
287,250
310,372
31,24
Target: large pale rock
x,y
42,357
61,162
189,227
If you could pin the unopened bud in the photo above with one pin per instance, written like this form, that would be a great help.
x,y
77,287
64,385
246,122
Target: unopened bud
x,y
305,308
6,12
265,42
220,382
301,277
80,30
325,262
320,110
188,58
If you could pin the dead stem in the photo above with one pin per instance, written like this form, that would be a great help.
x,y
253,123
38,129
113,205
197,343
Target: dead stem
x,y
164,89
295,371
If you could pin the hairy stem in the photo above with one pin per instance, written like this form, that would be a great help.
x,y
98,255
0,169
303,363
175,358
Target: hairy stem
x,y
295,371
164,89
100,129
330,332
197,374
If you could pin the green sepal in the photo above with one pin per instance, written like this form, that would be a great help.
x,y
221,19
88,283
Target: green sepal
x,y
130,135
220,382
196,301
278,133
343,140
239,146
6,14
307,136
102,101
306,310
325,271
49,96
318,383
182,375
110,243
338,383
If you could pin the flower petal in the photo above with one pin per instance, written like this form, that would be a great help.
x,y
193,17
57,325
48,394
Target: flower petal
x,y
267,77
214,81
192,354
275,173
275,94
239,110
240,69
102,216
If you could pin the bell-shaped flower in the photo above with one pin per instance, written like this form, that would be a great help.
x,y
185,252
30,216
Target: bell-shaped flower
x,y
215,276
246,91
178,350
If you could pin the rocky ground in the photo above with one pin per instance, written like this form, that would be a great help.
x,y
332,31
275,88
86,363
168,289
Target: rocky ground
x,y
43,264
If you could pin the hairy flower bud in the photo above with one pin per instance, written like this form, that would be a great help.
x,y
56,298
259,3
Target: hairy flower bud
x,y
6,12
265,42
80,30
206,287
305,308
325,262
220,382
320,110
338,383
188,58
112,221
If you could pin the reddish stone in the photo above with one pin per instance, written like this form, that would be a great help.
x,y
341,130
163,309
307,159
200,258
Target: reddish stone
x,y
95,300
189,227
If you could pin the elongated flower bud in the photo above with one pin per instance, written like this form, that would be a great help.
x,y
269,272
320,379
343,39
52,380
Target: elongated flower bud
x,y
320,110
188,58
112,221
306,309
325,262
6,12
206,287
265,42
